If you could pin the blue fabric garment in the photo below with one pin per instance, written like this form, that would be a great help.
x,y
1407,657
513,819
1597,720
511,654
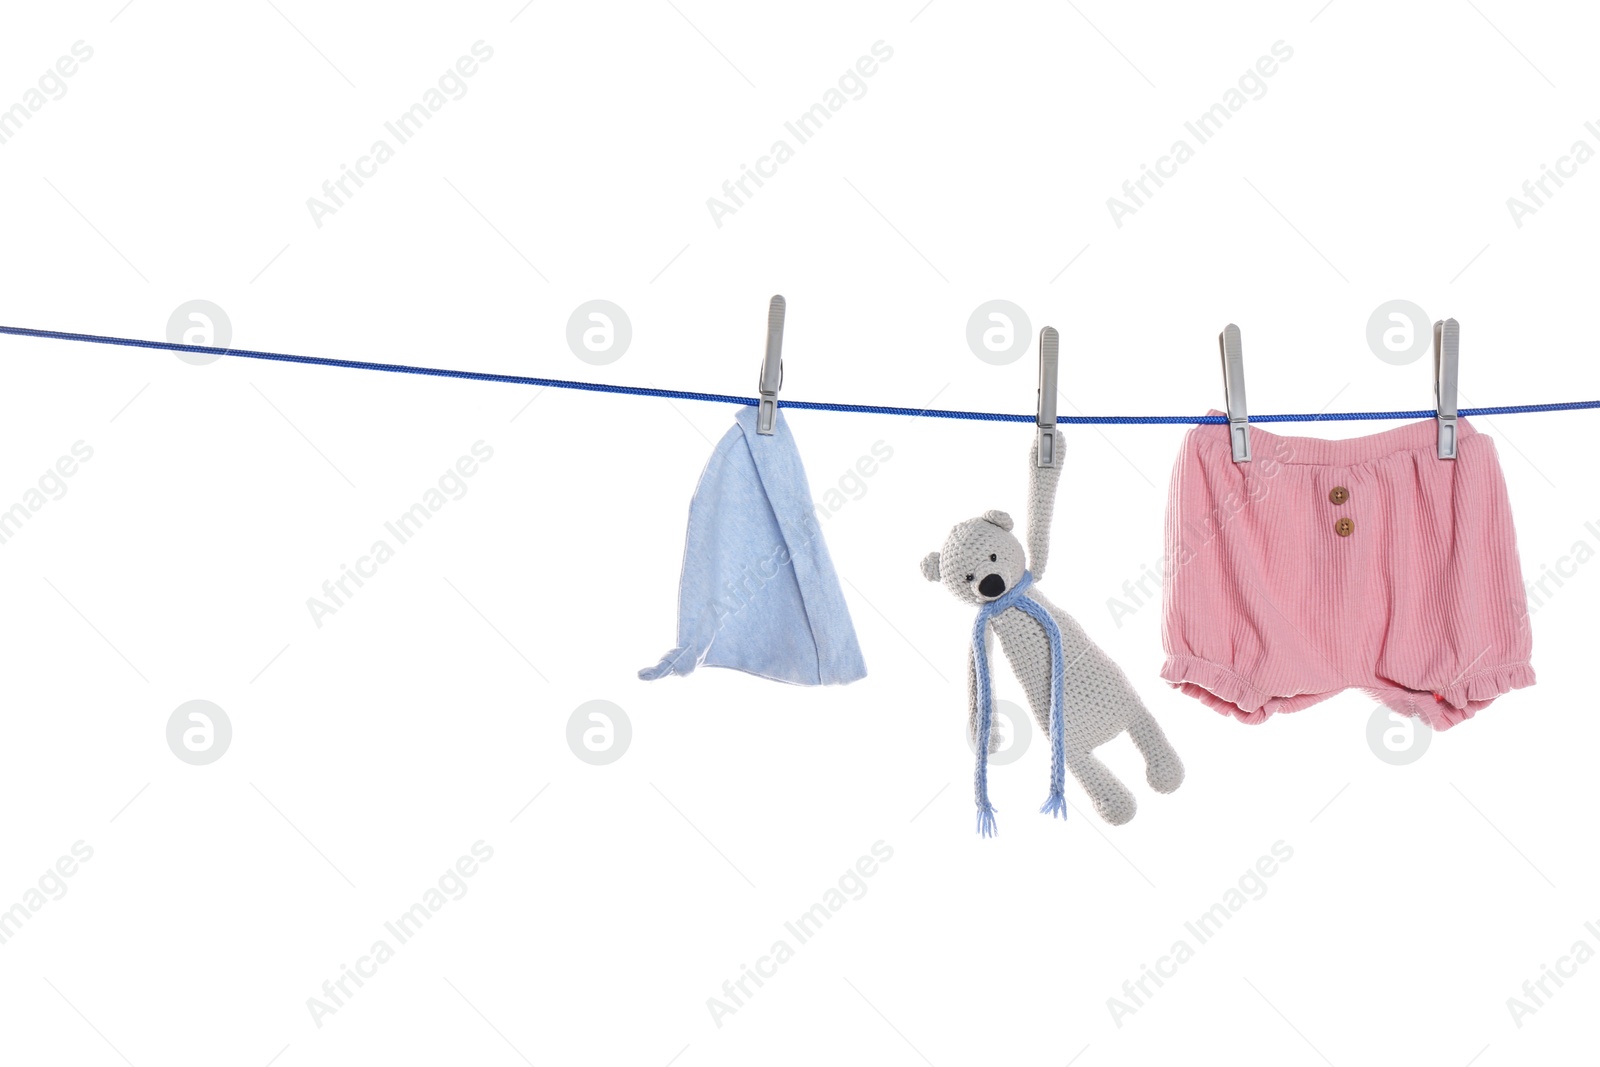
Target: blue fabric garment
x,y
1015,598
759,592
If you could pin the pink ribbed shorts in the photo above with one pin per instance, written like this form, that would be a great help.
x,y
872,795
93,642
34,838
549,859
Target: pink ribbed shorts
x,y
1320,566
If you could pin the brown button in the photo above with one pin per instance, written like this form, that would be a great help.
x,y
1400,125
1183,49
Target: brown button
x,y
1339,494
1345,527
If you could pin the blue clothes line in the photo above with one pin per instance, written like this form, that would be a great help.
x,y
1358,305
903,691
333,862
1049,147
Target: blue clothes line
x,y
793,405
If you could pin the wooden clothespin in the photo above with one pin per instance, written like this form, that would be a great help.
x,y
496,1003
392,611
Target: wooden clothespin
x,y
1049,441
1233,387
771,369
1446,360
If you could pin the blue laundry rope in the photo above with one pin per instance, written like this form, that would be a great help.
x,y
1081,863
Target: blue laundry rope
x,y
798,405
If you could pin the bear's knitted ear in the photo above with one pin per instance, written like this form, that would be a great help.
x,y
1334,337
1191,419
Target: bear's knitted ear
x,y
930,566
999,518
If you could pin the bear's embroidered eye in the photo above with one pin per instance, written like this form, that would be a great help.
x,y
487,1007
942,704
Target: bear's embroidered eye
x,y
970,577
993,557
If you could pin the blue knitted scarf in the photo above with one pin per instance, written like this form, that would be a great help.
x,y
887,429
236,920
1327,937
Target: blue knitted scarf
x,y
1015,598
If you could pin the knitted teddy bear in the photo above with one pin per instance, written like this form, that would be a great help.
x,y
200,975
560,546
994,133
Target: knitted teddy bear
x,y
1079,696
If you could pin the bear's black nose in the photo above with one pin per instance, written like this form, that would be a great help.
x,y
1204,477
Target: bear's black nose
x,y
992,585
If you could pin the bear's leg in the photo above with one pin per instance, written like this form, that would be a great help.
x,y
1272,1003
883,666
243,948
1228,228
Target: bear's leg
x,y
1111,798
1162,767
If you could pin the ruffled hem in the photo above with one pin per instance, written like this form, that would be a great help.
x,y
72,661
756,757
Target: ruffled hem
x,y
1486,685
1216,688
1461,701
1228,694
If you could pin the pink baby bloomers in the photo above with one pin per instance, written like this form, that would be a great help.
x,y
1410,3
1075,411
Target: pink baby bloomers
x,y
1320,566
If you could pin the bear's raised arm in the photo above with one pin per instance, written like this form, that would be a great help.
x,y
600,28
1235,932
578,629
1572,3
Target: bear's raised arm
x,y
1042,482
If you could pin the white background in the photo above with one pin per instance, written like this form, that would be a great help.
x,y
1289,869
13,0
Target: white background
x,y
371,752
